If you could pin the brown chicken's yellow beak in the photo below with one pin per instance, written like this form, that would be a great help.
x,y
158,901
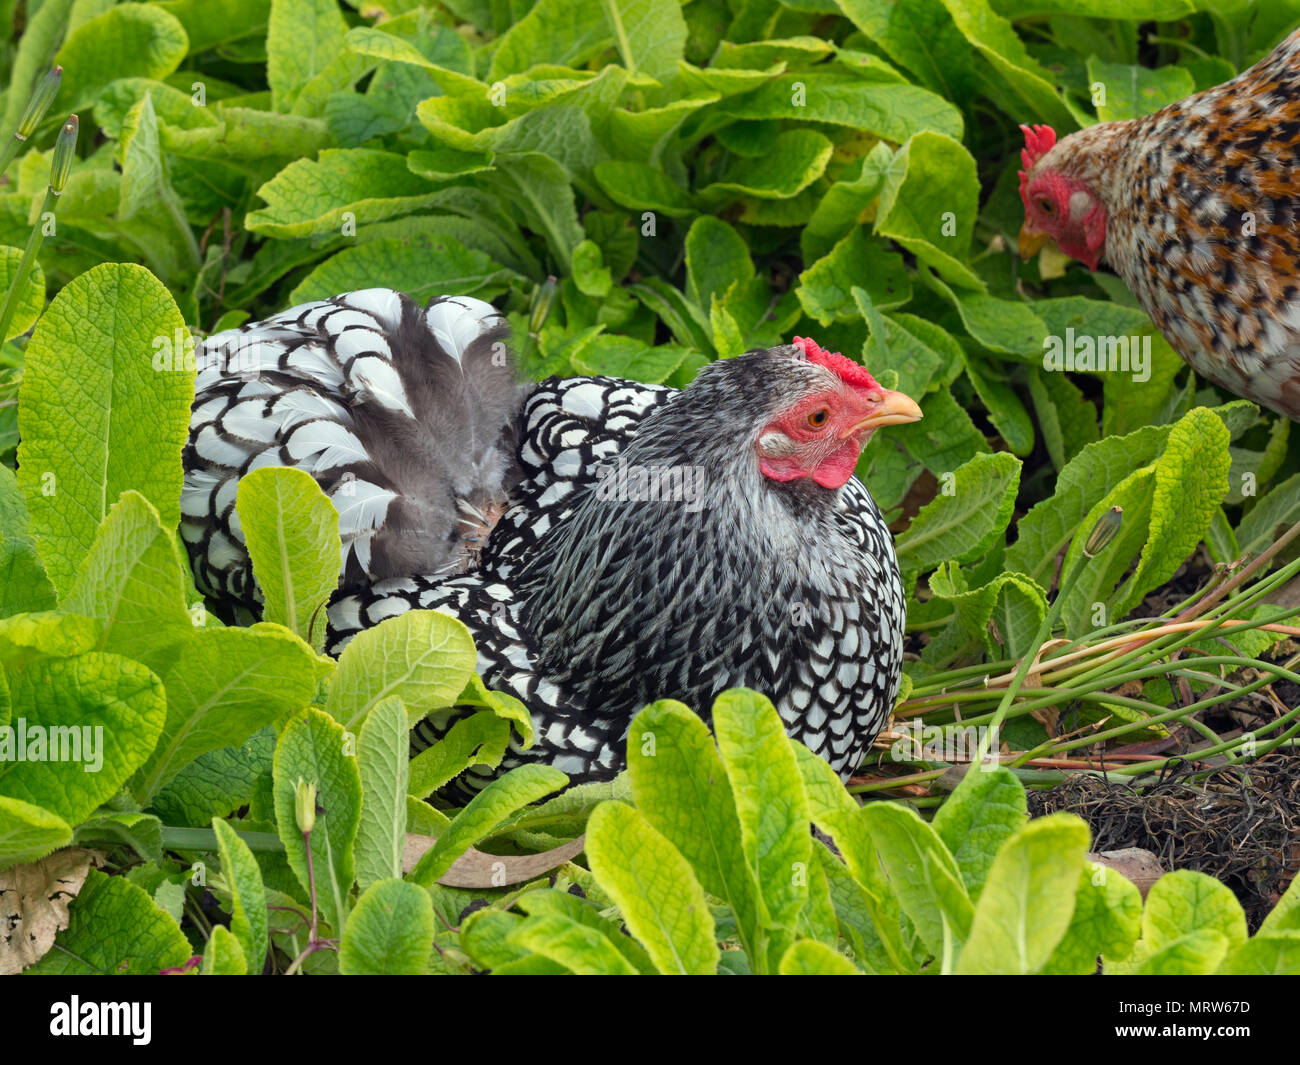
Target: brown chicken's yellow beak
x,y
894,409
1031,241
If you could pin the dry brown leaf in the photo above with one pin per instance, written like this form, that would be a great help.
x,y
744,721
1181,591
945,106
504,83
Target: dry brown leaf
x,y
478,869
34,902
1140,866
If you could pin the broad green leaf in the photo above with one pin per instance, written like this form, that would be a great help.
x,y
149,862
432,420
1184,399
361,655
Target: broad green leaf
x,y
589,271
962,524
225,685
114,928
479,739
1284,918
684,319
1107,919
133,584
562,32
212,23
996,41
24,586
134,40
1067,419
383,757
544,190
661,902
892,112
620,356
223,956
1025,908
578,947
216,783
485,937
243,134
826,287
303,38
31,291
1010,327
29,832
1264,956
641,188
141,832
650,35
1011,604
313,749
103,713
680,786
923,875
844,203
485,811
929,202
419,264
423,657
1186,901
292,532
146,191
920,36
248,919
799,157
716,255
48,633
1271,515
807,957
586,911
341,187
390,933
1196,954
1130,91
770,802
985,810
45,29
96,417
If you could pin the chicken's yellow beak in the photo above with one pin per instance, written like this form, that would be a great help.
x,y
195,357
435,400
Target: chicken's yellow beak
x,y
1031,241
894,409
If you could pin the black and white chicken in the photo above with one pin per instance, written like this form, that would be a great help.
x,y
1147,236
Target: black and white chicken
x,y
607,543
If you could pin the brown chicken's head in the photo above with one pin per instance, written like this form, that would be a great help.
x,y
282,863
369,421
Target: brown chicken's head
x,y
1058,206
821,433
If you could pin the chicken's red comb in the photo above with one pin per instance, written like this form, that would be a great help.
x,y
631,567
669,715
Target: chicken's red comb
x,y
1038,142
846,370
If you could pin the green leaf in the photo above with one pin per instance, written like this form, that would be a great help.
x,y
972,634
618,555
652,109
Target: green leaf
x,y
223,956
1107,919
799,157
103,712
114,928
684,320
248,920
929,202
225,685
579,947
641,188
716,255
1195,954
419,264
479,739
985,810
24,586
141,832
920,36
1264,956
145,189
996,41
1186,901
24,637
650,35
485,811
923,875
891,111
681,788
807,957
383,758
312,748
661,902
423,657
95,417
389,933
303,38
132,582
351,186
216,783
1025,908
964,523
590,273
28,832
619,356
826,287
1131,91
134,40
31,291
1272,514
771,805
561,32
292,532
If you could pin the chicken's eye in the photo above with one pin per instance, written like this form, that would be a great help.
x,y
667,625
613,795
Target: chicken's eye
x,y
818,418
1046,206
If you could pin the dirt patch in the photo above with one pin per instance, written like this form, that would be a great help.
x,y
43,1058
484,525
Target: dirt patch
x,y
1240,824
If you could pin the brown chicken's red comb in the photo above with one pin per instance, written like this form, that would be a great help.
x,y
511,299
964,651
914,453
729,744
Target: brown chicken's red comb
x,y
846,370
1038,142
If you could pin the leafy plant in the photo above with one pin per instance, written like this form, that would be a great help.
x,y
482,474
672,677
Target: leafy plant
x,y
643,187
